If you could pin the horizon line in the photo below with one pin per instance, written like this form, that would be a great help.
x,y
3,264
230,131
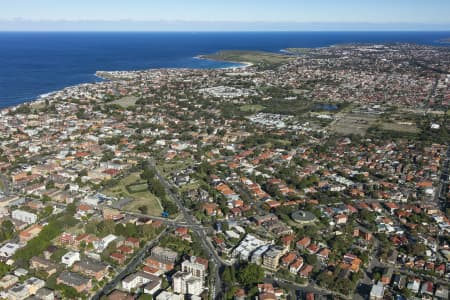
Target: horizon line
x,y
93,30
23,25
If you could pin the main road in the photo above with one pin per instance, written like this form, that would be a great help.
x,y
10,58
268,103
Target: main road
x,y
303,288
198,230
440,196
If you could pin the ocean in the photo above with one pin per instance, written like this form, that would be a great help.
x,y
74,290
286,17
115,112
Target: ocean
x,y
32,64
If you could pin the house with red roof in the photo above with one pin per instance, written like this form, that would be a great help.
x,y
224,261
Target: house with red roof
x,y
303,243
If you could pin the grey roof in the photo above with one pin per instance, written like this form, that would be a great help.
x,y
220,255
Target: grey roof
x,y
91,265
73,278
49,264
303,216
44,292
152,284
164,254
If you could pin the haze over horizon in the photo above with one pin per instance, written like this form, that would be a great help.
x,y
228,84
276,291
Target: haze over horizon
x,y
235,15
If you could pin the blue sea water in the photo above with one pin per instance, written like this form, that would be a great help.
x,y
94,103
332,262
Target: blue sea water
x,y
32,64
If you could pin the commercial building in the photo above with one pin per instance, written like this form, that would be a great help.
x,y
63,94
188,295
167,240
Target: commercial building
x,y
247,246
197,266
139,279
24,216
169,296
377,292
271,257
162,259
186,284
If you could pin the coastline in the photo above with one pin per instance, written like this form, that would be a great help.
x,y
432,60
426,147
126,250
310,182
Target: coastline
x,y
238,65
103,76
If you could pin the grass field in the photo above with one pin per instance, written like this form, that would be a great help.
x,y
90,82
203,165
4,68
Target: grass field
x,y
255,57
191,186
252,108
126,102
168,167
299,51
143,198
400,127
353,124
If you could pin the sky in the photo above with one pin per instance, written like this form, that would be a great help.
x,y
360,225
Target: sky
x,y
244,14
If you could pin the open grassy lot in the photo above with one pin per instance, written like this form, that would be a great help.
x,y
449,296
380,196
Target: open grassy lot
x,y
353,124
141,197
298,51
254,108
126,102
191,186
37,105
400,127
166,168
255,57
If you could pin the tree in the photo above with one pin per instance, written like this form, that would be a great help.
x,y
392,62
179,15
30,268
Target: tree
x,y
7,230
46,198
311,259
106,227
228,275
91,228
164,284
47,211
4,269
148,174
143,209
50,185
68,291
251,274
83,245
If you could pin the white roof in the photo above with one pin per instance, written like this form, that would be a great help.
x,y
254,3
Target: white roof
x,y
377,290
9,249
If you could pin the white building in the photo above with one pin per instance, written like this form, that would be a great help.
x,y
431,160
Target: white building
x,y
257,255
70,258
169,296
197,266
8,281
377,291
139,279
26,289
24,216
414,285
8,250
186,284
247,246
102,244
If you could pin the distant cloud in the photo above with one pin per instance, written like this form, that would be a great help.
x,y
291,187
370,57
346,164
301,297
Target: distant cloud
x,y
129,25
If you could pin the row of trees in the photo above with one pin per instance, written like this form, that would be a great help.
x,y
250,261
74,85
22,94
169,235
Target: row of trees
x,y
56,225
105,227
6,230
157,188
